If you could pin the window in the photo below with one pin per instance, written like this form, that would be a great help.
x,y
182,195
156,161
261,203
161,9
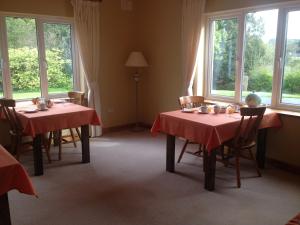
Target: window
x,y
1,76
255,51
224,55
290,92
37,56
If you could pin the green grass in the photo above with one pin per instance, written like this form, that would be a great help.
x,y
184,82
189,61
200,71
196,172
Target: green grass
x,y
261,94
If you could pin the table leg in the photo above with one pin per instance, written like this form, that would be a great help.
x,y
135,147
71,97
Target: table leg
x,y
170,163
85,143
209,169
4,210
261,148
38,155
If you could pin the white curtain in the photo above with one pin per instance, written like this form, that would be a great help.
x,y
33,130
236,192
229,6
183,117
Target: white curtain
x,y
192,24
87,31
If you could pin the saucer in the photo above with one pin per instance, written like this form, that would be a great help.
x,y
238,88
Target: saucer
x,y
43,109
202,112
30,110
186,110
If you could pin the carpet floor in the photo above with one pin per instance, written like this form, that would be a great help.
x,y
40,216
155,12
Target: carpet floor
x,y
126,184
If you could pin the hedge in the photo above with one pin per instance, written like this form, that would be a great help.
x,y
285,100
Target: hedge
x,y
24,69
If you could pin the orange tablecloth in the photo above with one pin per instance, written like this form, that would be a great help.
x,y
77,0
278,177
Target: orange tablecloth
x,y
59,116
13,175
212,130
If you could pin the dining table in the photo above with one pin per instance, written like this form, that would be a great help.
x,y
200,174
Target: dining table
x,y
210,130
62,115
12,176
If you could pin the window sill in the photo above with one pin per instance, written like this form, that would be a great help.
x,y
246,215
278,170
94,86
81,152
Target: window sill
x,y
279,111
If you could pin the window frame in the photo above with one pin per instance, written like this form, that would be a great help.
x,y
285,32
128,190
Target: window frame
x,y
240,15
40,20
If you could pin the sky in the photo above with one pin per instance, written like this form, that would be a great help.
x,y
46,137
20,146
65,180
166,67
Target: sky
x,y
270,20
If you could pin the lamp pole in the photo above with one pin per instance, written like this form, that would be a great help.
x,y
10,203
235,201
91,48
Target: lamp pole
x,y
136,59
136,78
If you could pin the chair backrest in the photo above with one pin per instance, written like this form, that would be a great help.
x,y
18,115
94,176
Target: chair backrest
x,y
248,127
190,101
8,109
77,97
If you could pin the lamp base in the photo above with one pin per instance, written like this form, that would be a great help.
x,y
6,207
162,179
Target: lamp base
x,y
137,128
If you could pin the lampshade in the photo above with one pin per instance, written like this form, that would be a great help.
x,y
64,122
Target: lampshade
x,y
136,59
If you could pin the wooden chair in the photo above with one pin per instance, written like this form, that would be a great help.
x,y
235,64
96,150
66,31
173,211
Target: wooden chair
x,y
190,102
76,97
7,107
245,139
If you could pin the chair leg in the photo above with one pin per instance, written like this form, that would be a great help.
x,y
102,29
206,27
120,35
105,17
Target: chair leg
x,y
237,167
255,162
182,151
78,132
73,137
47,144
59,144
18,147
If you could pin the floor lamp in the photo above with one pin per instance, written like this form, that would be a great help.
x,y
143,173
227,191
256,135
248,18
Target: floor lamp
x,y
137,60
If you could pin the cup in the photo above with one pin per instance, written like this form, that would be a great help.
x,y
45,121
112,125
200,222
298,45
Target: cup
x,y
49,103
204,109
189,105
222,109
216,109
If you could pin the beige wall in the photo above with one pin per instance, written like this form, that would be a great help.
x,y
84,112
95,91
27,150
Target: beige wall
x,y
283,143
44,7
118,38
219,5
159,37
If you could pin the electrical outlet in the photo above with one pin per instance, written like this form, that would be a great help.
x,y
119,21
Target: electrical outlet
x,y
110,110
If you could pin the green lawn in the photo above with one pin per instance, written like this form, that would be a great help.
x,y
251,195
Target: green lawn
x,y
34,94
261,94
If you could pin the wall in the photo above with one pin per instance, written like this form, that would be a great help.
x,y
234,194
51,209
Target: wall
x,y
159,31
117,40
43,7
219,5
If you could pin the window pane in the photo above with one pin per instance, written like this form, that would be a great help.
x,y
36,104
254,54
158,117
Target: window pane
x,y
59,57
291,75
259,54
23,57
224,56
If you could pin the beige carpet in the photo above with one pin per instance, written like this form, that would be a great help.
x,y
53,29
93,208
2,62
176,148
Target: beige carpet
x,y
126,184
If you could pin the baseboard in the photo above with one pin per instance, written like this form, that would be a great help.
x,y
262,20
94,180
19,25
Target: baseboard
x,y
106,130
283,165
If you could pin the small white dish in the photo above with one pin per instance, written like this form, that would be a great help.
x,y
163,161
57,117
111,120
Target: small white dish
x,y
57,101
186,110
30,110
199,111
